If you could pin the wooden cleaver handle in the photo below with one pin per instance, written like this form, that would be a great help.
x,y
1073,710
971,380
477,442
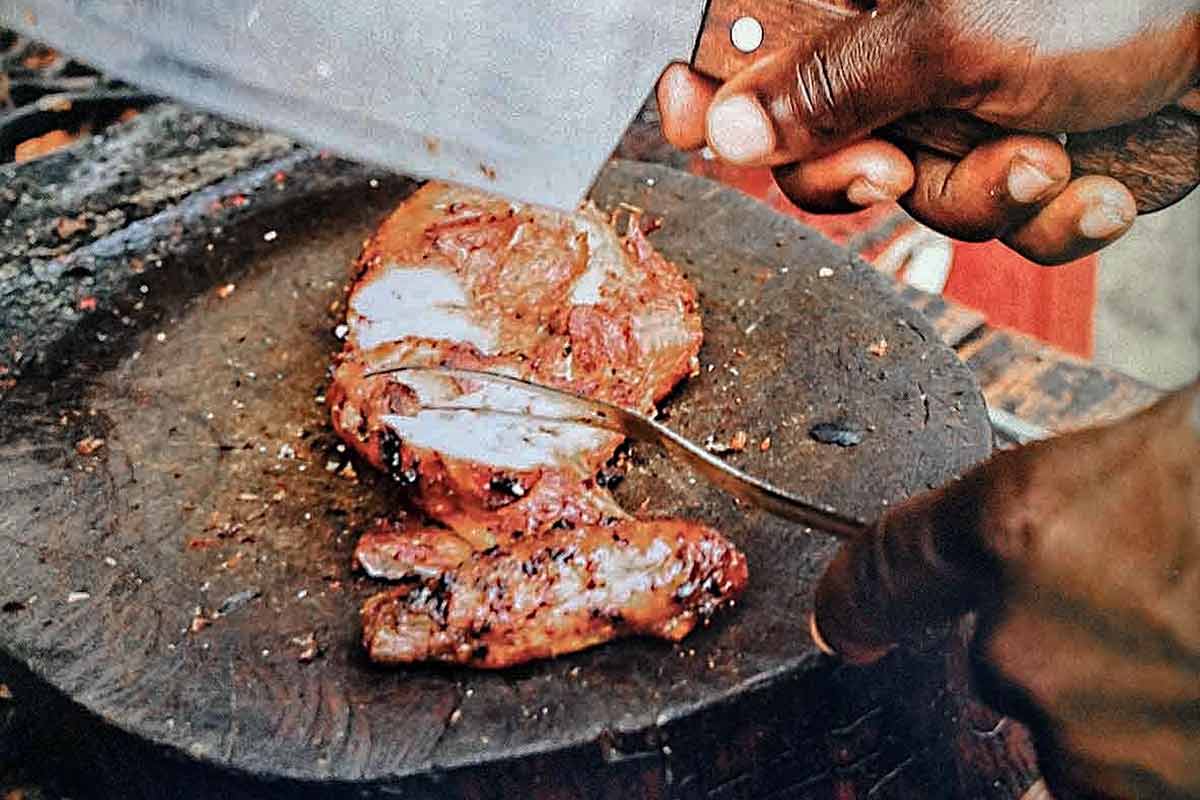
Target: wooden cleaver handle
x,y
1158,157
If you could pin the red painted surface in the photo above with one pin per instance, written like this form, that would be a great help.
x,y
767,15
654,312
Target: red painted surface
x,y
1053,304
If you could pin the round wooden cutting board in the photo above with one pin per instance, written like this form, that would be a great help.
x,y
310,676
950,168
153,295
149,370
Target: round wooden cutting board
x,y
178,521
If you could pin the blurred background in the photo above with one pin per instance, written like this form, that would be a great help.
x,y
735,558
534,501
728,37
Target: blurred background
x,y
1147,315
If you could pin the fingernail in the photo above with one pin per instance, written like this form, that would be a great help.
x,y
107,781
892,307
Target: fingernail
x,y
1102,221
817,638
739,129
862,192
1027,183
851,655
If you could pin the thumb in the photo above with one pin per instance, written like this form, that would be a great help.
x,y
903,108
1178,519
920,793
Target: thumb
x,y
806,100
923,564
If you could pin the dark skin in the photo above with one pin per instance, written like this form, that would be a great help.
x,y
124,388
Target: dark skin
x,y
1036,65
1080,555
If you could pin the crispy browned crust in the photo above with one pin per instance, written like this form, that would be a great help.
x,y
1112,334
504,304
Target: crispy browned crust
x,y
544,337
557,594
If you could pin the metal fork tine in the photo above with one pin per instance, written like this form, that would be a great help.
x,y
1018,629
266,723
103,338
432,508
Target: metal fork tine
x,y
573,409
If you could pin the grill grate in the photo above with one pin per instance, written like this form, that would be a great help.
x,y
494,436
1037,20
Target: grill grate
x,y
48,100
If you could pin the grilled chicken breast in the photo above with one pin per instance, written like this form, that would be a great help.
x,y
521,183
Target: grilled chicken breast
x,y
459,278
544,596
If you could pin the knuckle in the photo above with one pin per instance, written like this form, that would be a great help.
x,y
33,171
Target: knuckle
x,y
1007,653
826,94
1014,515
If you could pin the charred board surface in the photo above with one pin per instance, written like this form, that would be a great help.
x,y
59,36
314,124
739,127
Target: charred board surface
x,y
179,521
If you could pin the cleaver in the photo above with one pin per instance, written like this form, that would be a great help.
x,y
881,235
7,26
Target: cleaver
x,y
526,98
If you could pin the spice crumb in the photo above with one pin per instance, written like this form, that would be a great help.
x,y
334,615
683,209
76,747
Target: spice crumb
x,y
85,447
66,227
310,649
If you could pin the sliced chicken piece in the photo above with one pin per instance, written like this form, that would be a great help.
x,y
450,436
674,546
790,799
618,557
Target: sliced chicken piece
x,y
558,594
459,278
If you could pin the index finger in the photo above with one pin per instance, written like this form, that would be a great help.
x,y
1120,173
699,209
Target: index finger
x,y
683,97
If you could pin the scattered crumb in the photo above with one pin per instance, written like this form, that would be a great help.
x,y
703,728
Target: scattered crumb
x,y
226,290
199,622
489,172
738,441
348,472
270,236
200,543
66,227
455,716
825,272
432,145
247,496
78,597
765,444
85,447
309,648
87,303
878,349
5,692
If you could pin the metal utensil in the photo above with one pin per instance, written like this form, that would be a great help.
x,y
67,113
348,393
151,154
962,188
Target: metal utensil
x,y
573,409
526,98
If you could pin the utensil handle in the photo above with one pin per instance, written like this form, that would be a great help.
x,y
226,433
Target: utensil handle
x,y
1157,158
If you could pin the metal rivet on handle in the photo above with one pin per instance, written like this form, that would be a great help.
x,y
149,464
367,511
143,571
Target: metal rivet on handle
x,y
746,34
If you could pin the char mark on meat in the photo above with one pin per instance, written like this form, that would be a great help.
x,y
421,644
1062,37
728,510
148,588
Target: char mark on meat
x,y
459,278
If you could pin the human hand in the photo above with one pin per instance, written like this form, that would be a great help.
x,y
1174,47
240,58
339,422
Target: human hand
x,y
1081,555
1038,65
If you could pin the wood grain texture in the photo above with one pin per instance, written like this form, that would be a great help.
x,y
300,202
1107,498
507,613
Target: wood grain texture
x,y
1058,391
211,491
784,23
